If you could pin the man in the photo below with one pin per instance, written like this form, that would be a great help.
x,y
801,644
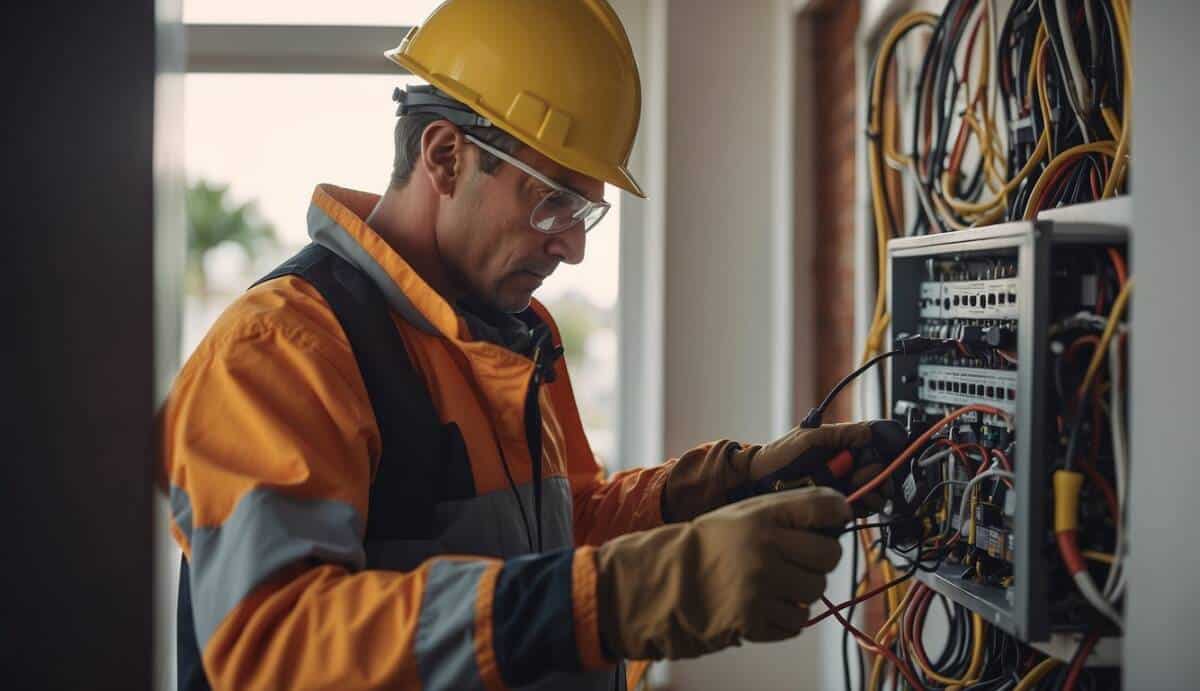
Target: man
x,y
377,470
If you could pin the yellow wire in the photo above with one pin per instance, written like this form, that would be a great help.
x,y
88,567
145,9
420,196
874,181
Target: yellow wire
x,y
1102,147
1042,148
884,638
1121,12
1114,317
1036,674
984,133
878,325
1043,145
1039,66
1110,119
972,674
1101,557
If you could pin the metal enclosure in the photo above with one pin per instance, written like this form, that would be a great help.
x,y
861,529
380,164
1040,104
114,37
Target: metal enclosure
x,y
1021,609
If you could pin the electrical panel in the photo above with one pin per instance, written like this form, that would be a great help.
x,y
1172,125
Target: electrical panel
x,y
1022,301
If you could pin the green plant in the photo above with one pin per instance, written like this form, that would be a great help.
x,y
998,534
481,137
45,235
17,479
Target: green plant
x,y
212,220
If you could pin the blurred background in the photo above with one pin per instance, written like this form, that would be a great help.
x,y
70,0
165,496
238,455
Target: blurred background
x,y
169,149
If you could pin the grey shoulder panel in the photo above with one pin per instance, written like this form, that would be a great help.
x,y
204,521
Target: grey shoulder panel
x,y
327,233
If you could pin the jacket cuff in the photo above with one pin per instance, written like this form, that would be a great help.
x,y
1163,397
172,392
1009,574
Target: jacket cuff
x,y
702,478
544,616
587,621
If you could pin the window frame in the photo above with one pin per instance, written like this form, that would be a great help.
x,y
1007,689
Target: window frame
x,y
292,48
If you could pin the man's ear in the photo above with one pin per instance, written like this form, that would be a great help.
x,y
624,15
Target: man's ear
x,y
443,156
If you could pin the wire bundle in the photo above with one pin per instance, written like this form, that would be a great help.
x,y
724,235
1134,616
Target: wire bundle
x,y
999,118
1005,119
975,654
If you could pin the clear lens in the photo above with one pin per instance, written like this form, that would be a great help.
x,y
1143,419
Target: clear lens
x,y
561,210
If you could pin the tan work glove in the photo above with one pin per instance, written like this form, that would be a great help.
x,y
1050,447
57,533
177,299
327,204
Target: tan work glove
x,y
726,471
744,572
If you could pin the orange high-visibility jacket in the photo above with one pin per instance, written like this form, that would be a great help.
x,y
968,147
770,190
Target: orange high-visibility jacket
x,y
270,448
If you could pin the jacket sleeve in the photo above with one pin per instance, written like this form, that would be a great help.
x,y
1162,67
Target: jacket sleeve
x,y
268,445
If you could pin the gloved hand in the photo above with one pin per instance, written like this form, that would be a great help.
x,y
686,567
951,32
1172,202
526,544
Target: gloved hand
x,y
724,472
744,572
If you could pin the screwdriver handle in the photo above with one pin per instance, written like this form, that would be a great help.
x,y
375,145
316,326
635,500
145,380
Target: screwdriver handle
x,y
839,467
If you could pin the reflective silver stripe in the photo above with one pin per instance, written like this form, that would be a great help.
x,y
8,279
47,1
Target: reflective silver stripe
x,y
266,532
181,511
327,233
488,525
445,642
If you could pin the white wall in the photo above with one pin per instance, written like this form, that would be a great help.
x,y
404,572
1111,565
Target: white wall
x,y
726,217
728,274
707,262
640,307
1163,612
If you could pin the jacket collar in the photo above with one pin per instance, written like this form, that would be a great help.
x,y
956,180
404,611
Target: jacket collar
x,y
335,221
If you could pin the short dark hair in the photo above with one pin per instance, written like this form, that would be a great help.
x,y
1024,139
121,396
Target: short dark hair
x,y
410,128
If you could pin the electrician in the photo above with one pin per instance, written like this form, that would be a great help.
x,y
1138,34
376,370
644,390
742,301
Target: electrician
x,y
348,451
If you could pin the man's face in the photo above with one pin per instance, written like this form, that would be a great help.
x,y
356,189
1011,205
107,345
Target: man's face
x,y
485,236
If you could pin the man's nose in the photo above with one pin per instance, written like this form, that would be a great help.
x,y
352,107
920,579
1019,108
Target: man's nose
x,y
569,245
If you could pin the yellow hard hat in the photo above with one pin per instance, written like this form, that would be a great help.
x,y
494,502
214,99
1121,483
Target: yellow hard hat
x,y
559,75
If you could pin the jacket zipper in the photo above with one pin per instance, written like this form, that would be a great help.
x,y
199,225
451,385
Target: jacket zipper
x,y
533,438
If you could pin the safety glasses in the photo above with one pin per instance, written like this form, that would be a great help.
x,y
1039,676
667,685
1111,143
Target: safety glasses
x,y
559,210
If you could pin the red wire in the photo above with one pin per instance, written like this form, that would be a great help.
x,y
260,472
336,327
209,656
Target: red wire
x,y
983,456
1077,666
854,601
958,450
1089,465
960,143
1087,339
914,624
1004,460
1056,183
968,58
871,646
1118,264
920,443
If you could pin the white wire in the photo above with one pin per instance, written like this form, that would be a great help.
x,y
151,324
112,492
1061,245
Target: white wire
x,y
1119,589
935,458
1068,39
1087,587
1116,416
994,73
1093,35
992,471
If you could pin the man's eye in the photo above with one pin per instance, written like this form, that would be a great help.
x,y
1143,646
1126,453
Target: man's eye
x,y
554,200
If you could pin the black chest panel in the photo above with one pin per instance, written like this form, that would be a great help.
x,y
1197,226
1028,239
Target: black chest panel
x,y
422,461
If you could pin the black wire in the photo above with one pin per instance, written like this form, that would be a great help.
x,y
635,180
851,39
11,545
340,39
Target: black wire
x,y
1058,44
850,617
520,504
854,527
962,660
1076,422
951,623
1116,94
813,419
